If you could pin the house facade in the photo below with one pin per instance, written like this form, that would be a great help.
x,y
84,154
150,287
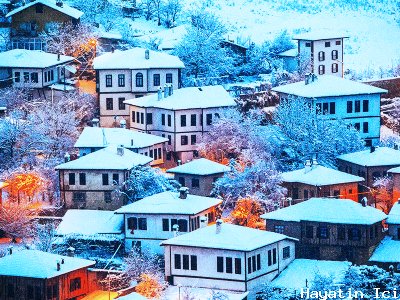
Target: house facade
x,y
33,274
182,116
330,229
337,98
89,182
315,180
95,138
214,257
199,175
161,216
134,73
31,19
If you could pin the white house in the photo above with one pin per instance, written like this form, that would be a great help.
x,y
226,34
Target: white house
x,y
95,138
199,175
136,72
227,256
180,115
153,219
89,181
338,98
34,69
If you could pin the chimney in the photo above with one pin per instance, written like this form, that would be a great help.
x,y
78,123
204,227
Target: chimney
x,y
58,57
67,157
58,265
175,229
364,201
171,89
183,192
218,226
71,251
122,123
95,122
203,221
307,166
372,149
307,79
166,92
120,150
159,94
314,163
131,142
147,54
59,3
62,261
179,162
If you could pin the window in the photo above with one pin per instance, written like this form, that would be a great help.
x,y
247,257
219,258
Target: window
x,y
365,127
183,120
17,77
229,267
323,232
249,268
115,178
141,118
208,119
153,154
193,262
169,120
185,262
142,222
26,77
269,258
341,233
133,117
82,178
109,104
105,179
238,266
308,44
274,256
279,229
286,252
321,55
169,139
51,75
357,106
107,197
325,108
354,234
193,120
253,261
75,284
71,178
365,105
34,77
177,259
335,68
156,79
132,223
121,80
149,118
184,140
327,44
137,246
321,70
357,126
139,80
349,107
168,78
319,107
332,108
78,196
183,225
39,8
121,104
338,43
220,264
165,224
309,232
195,183
163,119
306,194
109,80
193,139
138,117
335,54
258,262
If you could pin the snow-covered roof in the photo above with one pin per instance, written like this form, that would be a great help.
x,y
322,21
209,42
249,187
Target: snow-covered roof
x,y
96,137
328,210
318,175
135,59
394,214
290,53
387,251
90,222
169,203
22,58
38,264
301,271
382,156
318,35
328,86
65,9
172,292
106,159
188,98
167,39
230,237
200,166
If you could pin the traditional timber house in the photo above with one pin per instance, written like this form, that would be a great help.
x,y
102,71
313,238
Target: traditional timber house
x,y
330,229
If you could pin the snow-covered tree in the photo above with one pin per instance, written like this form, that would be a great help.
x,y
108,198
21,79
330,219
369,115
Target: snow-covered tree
x,y
16,220
171,10
45,236
307,133
383,193
247,213
145,181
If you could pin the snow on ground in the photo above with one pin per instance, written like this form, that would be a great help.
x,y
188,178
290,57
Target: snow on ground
x,y
173,293
302,270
